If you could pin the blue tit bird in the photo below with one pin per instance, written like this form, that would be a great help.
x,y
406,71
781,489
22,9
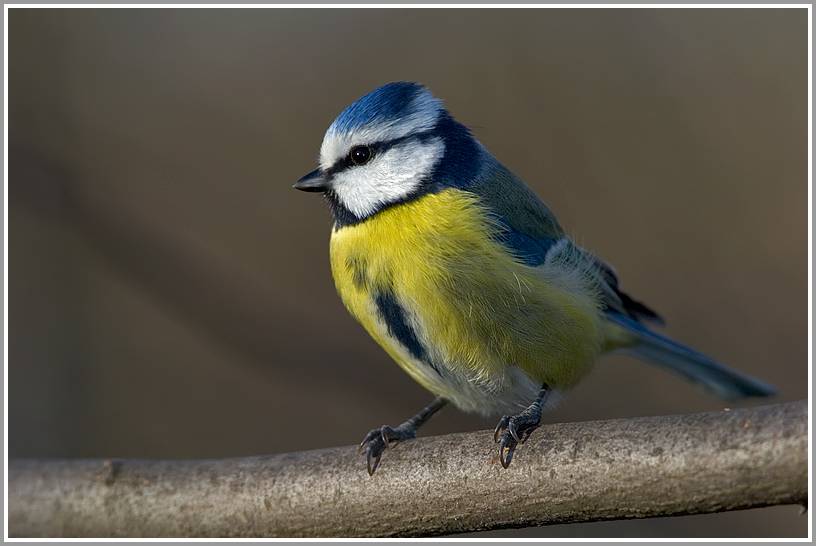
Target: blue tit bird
x,y
467,280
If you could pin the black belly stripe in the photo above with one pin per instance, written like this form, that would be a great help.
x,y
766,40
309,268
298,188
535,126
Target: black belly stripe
x,y
394,316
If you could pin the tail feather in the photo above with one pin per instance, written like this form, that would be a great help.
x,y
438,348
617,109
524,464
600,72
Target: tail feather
x,y
663,352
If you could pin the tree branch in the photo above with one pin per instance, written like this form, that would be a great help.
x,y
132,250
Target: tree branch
x,y
571,472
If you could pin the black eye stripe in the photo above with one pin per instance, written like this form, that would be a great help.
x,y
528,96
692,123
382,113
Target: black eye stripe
x,y
377,148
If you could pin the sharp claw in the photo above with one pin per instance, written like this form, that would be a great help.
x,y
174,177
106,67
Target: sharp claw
x,y
377,457
505,454
370,436
389,436
500,428
514,433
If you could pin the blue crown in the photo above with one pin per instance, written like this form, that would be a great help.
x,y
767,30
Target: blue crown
x,y
383,106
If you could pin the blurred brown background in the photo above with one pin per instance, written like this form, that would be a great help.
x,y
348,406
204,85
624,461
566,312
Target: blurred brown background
x,y
170,293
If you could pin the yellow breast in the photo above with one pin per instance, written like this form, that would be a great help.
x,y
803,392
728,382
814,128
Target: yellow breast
x,y
476,309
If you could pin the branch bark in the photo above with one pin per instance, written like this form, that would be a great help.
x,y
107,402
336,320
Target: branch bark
x,y
570,472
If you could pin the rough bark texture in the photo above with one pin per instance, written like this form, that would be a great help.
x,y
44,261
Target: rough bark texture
x,y
572,472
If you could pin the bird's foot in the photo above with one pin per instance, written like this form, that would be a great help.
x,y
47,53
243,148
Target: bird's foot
x,y
515,429
384,437
376,442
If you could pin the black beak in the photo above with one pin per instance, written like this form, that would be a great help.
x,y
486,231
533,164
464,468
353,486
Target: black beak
x,y
314,181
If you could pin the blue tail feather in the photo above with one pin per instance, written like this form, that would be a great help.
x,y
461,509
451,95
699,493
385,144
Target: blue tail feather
x,y
663,352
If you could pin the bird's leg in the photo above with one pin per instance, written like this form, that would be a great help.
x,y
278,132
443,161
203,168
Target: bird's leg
x,y
378,439
514,430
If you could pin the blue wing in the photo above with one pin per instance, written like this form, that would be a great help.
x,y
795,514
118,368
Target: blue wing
x,y
530,231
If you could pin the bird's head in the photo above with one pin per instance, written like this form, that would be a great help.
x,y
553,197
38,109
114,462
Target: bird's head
x,y
394,144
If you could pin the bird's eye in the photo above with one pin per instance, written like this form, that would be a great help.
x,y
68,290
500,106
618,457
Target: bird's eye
x,y
360,155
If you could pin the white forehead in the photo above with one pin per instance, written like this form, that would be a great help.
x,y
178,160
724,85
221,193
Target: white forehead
x,y
355,127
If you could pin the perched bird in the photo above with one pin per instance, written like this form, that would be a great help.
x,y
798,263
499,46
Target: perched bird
x,y
466,278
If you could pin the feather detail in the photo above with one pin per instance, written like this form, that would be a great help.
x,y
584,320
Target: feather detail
x,y
486,319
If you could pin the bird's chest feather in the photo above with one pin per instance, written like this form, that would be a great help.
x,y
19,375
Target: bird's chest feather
x,y
431,284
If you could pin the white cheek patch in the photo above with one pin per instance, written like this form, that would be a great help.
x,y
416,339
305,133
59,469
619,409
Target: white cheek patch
x,y
391,176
